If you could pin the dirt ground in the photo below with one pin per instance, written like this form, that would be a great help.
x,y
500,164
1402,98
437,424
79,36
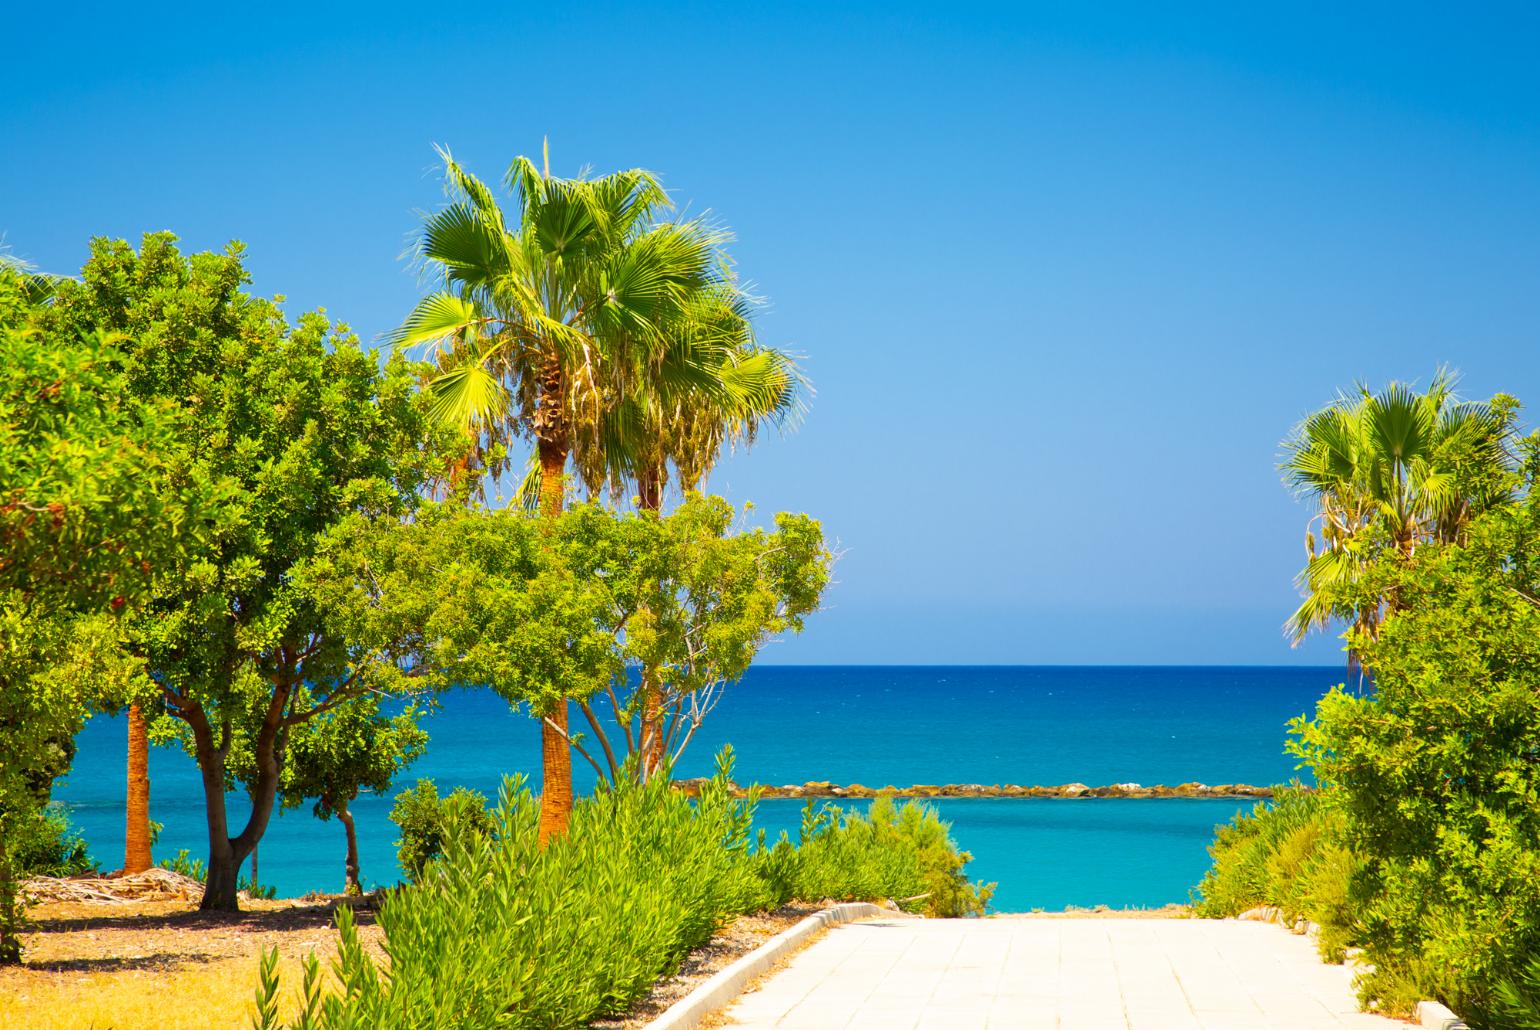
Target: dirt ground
x,y
160,964
164,965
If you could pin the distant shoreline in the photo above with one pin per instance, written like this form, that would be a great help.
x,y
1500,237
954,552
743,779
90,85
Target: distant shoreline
x,y
819,789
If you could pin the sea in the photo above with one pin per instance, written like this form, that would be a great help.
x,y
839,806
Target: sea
x,y
874,725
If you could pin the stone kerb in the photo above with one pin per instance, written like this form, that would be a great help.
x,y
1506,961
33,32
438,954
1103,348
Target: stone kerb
x,y
724,987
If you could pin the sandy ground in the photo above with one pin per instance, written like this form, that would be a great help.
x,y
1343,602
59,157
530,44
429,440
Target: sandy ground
x,y
160,964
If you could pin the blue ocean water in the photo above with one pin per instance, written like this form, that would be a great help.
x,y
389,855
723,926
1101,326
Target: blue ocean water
x,y
875,725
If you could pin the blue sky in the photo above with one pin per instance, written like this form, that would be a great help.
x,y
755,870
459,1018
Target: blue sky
x,y
1064,275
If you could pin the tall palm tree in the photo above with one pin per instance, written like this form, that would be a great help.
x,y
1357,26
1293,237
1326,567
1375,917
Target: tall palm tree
x,y
535,318
1388,472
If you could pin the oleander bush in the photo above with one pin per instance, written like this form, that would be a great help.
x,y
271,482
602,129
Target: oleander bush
x,y
1287,853
1518,998
496,931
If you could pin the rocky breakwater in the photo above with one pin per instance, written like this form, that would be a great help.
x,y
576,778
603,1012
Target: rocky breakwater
x,y
818,789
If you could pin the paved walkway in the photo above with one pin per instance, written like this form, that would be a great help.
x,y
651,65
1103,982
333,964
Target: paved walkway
x,y
956,974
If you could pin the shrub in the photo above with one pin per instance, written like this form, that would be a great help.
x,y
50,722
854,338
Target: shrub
x,y
183,863
45,844
906,854
497,931
427,821
1288,854
1435,771
1518,999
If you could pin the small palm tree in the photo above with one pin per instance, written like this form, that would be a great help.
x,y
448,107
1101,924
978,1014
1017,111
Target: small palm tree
x,y
1388,472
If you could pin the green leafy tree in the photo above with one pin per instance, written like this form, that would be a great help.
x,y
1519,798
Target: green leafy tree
x,y
333,757
1389,472
95,503
693,603
306,429
485,597
663,413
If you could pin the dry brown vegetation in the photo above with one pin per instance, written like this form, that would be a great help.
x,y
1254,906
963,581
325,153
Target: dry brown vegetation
x,y
158,964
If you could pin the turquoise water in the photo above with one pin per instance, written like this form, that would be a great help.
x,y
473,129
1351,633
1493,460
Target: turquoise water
x,y
872,725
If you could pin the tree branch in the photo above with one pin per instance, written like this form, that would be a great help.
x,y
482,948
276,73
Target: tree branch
x,y
604,740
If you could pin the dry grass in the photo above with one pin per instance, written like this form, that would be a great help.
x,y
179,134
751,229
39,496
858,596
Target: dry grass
x,y
159,965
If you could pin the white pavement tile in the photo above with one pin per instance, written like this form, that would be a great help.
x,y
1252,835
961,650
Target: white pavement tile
x,y
1017,973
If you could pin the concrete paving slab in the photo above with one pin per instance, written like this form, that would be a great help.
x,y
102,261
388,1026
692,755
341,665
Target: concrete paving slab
x,y
1028,972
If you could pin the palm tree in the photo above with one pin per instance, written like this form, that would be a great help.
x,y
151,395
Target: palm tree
x,y
535,318
1389,472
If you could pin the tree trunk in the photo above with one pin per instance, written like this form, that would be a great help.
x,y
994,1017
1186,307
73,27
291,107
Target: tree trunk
x,y
555,774
136,837
226,853
649,490
652,724
351,884
552,444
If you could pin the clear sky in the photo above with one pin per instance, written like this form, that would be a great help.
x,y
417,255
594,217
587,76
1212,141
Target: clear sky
x,y
1064,274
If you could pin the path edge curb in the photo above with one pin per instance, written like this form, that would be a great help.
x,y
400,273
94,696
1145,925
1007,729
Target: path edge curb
x,y
726,984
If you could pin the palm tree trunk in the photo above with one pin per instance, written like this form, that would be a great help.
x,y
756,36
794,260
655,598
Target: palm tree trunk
x,y
551,447
136,837
555,774
351,884
649,489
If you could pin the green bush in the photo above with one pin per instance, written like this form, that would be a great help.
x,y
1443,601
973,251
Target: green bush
x,y
1289,854
1518,999
1435,771
496,931
45,844
183,862
426,821
905,854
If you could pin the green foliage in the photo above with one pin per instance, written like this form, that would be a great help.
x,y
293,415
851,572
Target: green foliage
x,y
353,748
578,315
428,822
95,504
903,853
497,931
1436,772
44,843
1390,471
1288,854
299,427
1518,999
542,610
184,864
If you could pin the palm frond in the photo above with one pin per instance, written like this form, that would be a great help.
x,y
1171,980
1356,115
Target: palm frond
x,y
467,395
437,317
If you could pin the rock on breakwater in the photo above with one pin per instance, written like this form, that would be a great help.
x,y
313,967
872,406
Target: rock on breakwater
x,y
825,789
